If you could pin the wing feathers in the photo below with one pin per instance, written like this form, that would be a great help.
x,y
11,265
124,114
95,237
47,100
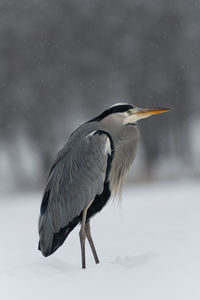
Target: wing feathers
x,y
76,177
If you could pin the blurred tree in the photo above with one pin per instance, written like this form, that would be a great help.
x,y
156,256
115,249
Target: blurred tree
x,y
62,62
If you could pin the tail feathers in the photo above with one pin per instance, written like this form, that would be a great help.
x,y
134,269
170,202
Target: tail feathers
x,y
50,241
58,240
46,236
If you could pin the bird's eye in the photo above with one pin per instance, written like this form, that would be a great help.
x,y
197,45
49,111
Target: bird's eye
x,y
129,112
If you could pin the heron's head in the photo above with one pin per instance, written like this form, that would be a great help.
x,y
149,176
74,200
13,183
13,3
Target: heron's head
x,y
121,114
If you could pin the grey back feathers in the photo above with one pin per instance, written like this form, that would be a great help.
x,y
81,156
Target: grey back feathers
x,y
76,177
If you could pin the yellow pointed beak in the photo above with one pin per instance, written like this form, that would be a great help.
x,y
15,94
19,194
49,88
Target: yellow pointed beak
x,y
146,112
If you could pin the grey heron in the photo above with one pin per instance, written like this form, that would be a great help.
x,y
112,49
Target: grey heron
x,y
88,171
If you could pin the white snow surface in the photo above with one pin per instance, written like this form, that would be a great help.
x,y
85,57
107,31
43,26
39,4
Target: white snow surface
x,y
148,249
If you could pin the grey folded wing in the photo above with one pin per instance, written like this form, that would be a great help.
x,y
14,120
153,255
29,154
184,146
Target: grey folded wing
x,y
77,176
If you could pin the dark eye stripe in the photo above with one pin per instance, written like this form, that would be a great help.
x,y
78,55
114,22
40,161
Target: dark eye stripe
x,y
115,109
119,108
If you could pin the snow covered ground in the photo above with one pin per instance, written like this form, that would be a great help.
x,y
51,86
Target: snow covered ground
x,y
150,249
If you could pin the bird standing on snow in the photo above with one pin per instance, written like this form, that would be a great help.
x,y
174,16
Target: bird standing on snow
x,y
89,170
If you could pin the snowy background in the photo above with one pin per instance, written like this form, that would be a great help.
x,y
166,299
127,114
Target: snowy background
x,y
62,63
149,249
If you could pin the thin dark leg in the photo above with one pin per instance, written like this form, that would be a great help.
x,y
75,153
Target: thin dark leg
x,y
82,235
89,237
